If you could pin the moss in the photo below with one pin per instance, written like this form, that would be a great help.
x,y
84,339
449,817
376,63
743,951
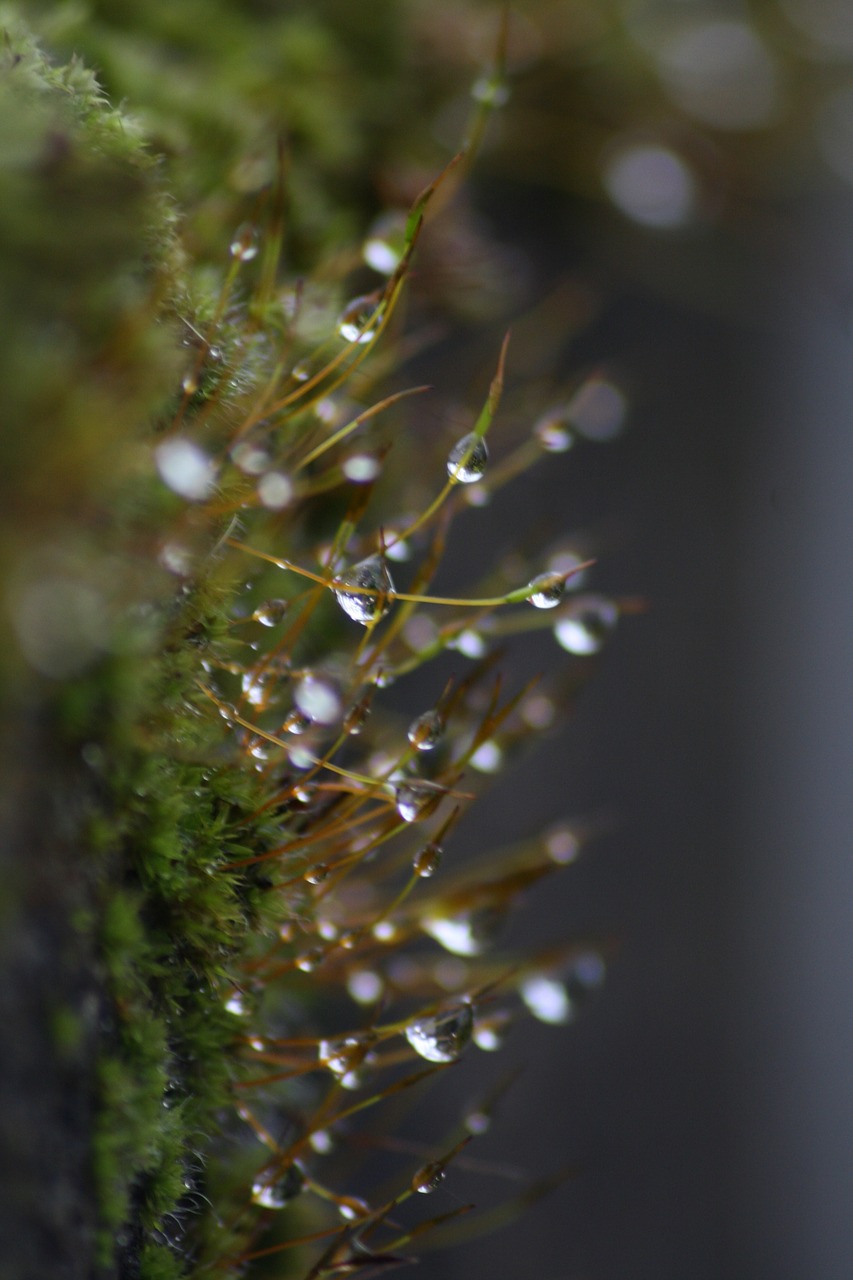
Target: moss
x,y
205,849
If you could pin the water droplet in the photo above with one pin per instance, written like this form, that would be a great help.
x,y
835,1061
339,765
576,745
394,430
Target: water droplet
x,y
442,1037
296,722
301,371
310,960
237,1004
546,590
176,558
429,1178
275,1195
385,244
466,462
244,246
585,629
425,732
598,409
327,930
343,1055
271,612
466,933
470,643
322,1142
361,468
553,432
355,718
364,986
316,874
352,1207
567,563
189,384
487,1037
275,490
546,998
318,699
185,468
477,1122
427,861
538,711
490,91
384,931
488,758
372,576
562,845
250,458
359,320
255,687
416,799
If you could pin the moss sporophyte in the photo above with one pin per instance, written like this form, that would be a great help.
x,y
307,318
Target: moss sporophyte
x,y
286,938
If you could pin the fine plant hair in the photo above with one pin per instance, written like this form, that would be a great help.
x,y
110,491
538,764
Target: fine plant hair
x,y
223,570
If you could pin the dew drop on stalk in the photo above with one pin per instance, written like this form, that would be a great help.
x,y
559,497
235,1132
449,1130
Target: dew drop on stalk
x,y
365,986
244,246
546,998
301,371
442,1037
465,933
487,1037
385,244
429,1178
275,1195
316,874
185,468
372,576
318,699
490,91
275,490
355,718
425,732
466,462
237,1004
255,687
296,722
352,1207
310,960
321,1141
546,590
416,799
342,1055
358,320
427,860
585,629
553,433
477,1122
270,613
361,468
470,643
488,758
562,845
384,931
250,458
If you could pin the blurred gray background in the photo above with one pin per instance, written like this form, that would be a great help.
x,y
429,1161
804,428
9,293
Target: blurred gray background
x,y
705,1096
